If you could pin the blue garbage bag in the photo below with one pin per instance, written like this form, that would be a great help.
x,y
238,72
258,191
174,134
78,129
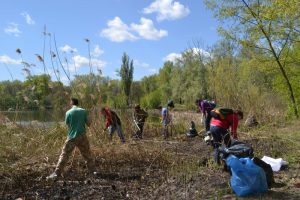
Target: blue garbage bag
x,y
247,178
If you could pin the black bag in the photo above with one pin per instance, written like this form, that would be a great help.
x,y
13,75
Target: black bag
x,y
267,168
237,148
221,113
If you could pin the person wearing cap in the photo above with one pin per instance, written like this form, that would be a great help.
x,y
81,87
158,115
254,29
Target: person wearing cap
x,y
140,116
167,117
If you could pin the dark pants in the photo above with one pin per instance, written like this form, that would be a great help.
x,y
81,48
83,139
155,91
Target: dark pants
x,y
207,121
219,135
139,132
118,128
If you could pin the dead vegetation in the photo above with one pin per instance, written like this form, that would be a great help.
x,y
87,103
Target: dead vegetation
x,y
177,168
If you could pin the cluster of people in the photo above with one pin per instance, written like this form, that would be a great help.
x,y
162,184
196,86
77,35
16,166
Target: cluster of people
x,y
77,119
216,122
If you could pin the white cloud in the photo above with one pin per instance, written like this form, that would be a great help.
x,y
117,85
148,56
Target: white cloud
x,y
97,51
28,18
13,29
201,52
172,57
138,63
81,61
117,31
67,48
147,30
167,10
8,60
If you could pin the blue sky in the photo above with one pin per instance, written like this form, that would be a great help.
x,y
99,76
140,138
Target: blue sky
x,y
149,31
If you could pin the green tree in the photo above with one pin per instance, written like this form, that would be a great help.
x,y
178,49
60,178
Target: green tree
x,y
126,74
164,79
36,92
271,26
88,88
152,100
149,83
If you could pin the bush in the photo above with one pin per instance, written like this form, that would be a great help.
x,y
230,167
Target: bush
x,y
152,100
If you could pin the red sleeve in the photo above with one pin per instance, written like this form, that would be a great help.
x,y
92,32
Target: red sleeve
x,y
234,124
108,118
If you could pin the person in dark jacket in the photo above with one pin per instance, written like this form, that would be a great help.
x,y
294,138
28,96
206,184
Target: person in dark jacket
x,y
140,116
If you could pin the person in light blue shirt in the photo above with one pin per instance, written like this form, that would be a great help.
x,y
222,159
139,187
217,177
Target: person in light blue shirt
x,y
166,118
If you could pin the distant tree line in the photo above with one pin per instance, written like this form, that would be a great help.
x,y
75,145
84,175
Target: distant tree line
x,y
254,67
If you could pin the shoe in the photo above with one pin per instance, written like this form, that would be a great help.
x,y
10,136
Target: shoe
x,y
94,174
52,177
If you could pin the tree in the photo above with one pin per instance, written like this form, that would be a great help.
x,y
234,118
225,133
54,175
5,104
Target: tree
x,y
164,78
149,83
36,92
271,26
87,88
126,74
189,78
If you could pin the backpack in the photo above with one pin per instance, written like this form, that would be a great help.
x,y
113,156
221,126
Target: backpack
x,y
221,113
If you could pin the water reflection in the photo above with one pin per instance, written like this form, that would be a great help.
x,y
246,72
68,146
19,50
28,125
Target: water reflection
x,y
44,118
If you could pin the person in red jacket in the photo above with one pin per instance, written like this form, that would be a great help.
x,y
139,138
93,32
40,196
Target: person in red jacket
x,y
113,123
219,130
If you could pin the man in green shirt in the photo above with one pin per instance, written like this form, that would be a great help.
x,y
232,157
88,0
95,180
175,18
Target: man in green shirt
x,y
76,118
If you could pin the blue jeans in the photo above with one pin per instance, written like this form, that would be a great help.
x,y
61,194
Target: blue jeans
x,y
118,128
219,135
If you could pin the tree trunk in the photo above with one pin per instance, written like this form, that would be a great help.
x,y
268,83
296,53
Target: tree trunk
x,y
283,72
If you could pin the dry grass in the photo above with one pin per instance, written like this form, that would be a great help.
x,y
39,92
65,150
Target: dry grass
x,y
149,169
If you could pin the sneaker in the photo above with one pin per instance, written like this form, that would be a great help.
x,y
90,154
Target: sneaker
x,y
93,174
52,176
96,173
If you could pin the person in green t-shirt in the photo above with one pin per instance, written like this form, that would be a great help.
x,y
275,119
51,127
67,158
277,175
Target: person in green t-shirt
x,y
76,119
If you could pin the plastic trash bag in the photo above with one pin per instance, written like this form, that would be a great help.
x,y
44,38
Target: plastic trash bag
x,y
247,178
267,169
276,164
237,148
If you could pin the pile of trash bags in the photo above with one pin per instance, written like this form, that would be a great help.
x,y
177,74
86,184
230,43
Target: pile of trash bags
x,y
249,175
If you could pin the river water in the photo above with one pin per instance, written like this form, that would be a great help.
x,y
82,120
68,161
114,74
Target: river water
x,y
45,117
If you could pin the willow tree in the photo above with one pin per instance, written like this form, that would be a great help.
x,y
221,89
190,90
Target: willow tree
x,y
269,25
126,74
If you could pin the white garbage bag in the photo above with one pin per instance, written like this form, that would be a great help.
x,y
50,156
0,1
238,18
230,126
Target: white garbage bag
x,y
275,163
